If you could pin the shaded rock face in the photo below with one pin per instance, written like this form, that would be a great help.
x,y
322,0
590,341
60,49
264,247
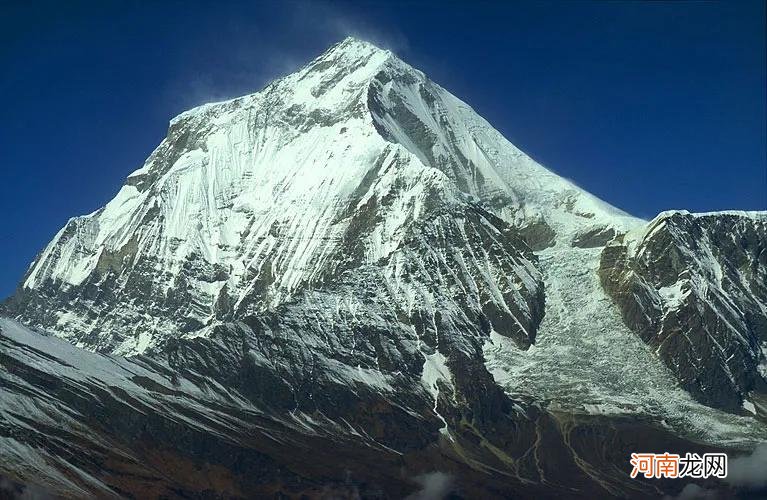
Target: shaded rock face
x,y
594,237
695,288
538,235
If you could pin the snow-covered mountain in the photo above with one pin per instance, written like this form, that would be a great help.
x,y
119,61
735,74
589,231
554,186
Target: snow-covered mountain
x,y
248,202
354,253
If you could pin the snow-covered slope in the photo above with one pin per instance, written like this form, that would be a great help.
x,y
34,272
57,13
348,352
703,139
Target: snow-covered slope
x,y
248,201
588,360
80,424
354,193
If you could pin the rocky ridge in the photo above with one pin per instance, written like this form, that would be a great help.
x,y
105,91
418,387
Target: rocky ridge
x,y
694,287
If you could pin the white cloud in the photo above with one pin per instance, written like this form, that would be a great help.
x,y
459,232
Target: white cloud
x,y
434,486
749,471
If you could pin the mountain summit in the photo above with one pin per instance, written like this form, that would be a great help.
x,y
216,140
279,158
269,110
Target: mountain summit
x,y
249,201
349,279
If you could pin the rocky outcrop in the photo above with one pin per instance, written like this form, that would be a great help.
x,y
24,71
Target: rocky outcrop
x,y
538,235
694,287
594,237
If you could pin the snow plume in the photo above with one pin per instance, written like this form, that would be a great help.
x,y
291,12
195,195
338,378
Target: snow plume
x,y
434,486
749,471
246,54
336,24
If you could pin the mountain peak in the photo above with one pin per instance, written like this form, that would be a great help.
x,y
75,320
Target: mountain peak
x,y
255,200
352,262
348,56
351,43
350,59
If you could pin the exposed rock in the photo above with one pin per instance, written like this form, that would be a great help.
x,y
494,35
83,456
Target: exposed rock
x,y
694,286
595,237
195,424
538,235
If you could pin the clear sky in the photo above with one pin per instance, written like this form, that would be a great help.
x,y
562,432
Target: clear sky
x,y
648,105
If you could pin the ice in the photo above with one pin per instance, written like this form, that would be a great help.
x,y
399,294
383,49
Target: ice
x,y
673,295
749,406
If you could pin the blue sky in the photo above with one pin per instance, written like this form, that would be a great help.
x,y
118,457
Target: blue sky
x,y
648,105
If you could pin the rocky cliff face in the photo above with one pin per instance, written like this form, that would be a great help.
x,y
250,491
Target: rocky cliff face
x,y
352,265
694,287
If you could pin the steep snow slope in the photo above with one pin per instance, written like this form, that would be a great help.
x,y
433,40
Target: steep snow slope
x,y
248,201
